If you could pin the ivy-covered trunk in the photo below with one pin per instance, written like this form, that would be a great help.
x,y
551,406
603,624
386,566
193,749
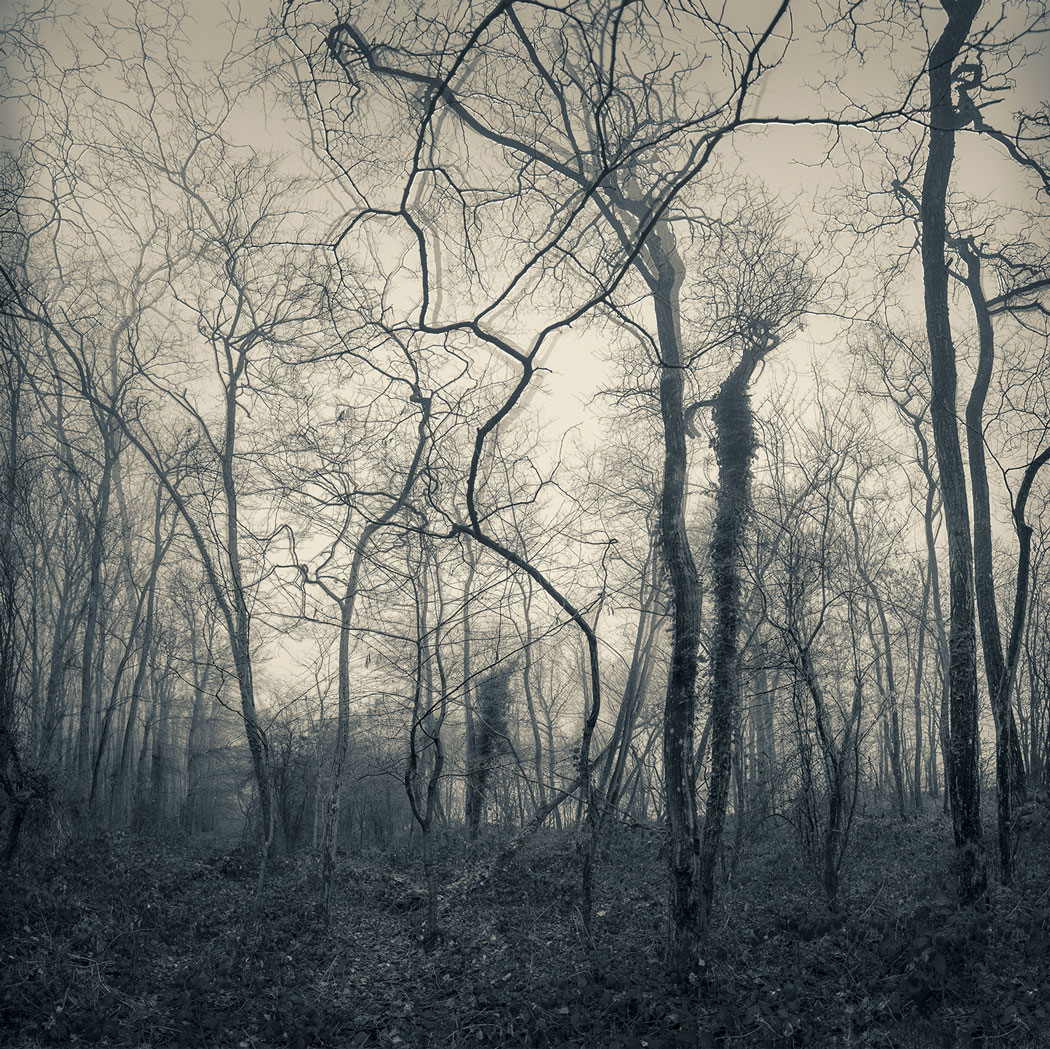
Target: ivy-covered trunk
x,y
734,449
490,742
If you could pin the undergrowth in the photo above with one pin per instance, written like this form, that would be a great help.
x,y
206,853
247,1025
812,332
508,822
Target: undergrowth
x,y
133,943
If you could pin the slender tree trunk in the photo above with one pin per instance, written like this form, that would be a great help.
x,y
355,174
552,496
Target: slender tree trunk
x,y
940,719
192,761
552,768
141,791
892,728
611,783
238,613
347,602
526,679
1009,761
1012,775
102,738
122,773
159,774
836,760
1001,700
427,722
884,666
740,802
94,597
54,688
471,800
933,746
920,659
12,776
195,748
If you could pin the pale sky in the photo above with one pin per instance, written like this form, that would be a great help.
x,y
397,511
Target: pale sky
x,y
791,162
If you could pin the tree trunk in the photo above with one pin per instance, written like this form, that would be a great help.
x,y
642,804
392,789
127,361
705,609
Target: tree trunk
x,y
122,774
526,680
920,658
159,767
471,806
611,783
330,836
965,777
943,656
94,595
735,446
427,721
195,748
680,699
12,778
1009,762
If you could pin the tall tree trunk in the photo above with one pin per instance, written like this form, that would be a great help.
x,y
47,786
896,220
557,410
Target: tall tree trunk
x,y
984,576
965,775
765,736
735,446
1009,762
680,699
834,756
239,620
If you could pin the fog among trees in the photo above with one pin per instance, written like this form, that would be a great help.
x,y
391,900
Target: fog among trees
x,y
526,524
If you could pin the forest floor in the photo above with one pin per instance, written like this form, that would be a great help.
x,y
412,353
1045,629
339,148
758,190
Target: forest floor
x,y
139,943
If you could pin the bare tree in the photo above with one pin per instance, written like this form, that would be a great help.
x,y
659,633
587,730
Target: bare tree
x,y
629,174
956,63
